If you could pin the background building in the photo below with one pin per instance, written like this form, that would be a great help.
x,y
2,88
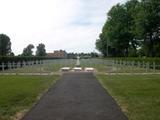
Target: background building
x,y
58,54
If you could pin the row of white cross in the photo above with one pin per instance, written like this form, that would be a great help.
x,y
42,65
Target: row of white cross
x,y
12,65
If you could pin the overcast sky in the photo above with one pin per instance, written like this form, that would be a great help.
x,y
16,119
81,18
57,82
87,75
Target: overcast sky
x,y
71,25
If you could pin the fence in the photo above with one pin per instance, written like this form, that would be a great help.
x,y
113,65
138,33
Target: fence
x,y
101,65
121,66
35,67
135,66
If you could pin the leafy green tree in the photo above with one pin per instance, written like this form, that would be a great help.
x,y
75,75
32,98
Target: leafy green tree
x,y
12,54
133,7
41,51
131,28
28,50
5,45
149,24
117,28
94,54
101,45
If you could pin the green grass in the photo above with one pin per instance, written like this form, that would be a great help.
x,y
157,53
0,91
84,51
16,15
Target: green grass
x,y
21,92
138,96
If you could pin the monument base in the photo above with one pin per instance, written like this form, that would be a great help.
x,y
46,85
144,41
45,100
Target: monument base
x,y
65,69
77,69
89,69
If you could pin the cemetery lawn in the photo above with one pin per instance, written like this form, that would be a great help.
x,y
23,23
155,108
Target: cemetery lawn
x,y
19,93
138,95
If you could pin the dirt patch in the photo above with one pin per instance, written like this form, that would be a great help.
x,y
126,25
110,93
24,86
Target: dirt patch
x,y
19,115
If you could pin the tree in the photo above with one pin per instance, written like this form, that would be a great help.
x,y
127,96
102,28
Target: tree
x,y
150,26
28,50
102,44
130,28
5,45
133,7
115,36
12,54
94,54
41,51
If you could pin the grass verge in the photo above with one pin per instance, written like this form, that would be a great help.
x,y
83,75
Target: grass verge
x,y
18,93
138,95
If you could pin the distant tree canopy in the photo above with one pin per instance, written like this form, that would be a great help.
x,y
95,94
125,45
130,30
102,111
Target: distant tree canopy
x,y
28,50
5,48
131,29
41,51
5,45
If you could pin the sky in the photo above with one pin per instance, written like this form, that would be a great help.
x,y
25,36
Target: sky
x,y
71,25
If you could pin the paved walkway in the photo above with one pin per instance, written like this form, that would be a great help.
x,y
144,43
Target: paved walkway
x,y
77,96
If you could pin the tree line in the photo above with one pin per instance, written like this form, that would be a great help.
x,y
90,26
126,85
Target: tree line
x,y
5,48
6,51
131,29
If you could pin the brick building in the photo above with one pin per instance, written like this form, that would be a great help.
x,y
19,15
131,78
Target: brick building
x,y
58,54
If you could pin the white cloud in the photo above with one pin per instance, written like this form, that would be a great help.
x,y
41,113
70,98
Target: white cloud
x,y
72,25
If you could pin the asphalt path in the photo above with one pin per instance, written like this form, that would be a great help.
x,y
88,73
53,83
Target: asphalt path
x,y
77,96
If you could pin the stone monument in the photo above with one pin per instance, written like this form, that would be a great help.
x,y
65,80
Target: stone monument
x,y
78,62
